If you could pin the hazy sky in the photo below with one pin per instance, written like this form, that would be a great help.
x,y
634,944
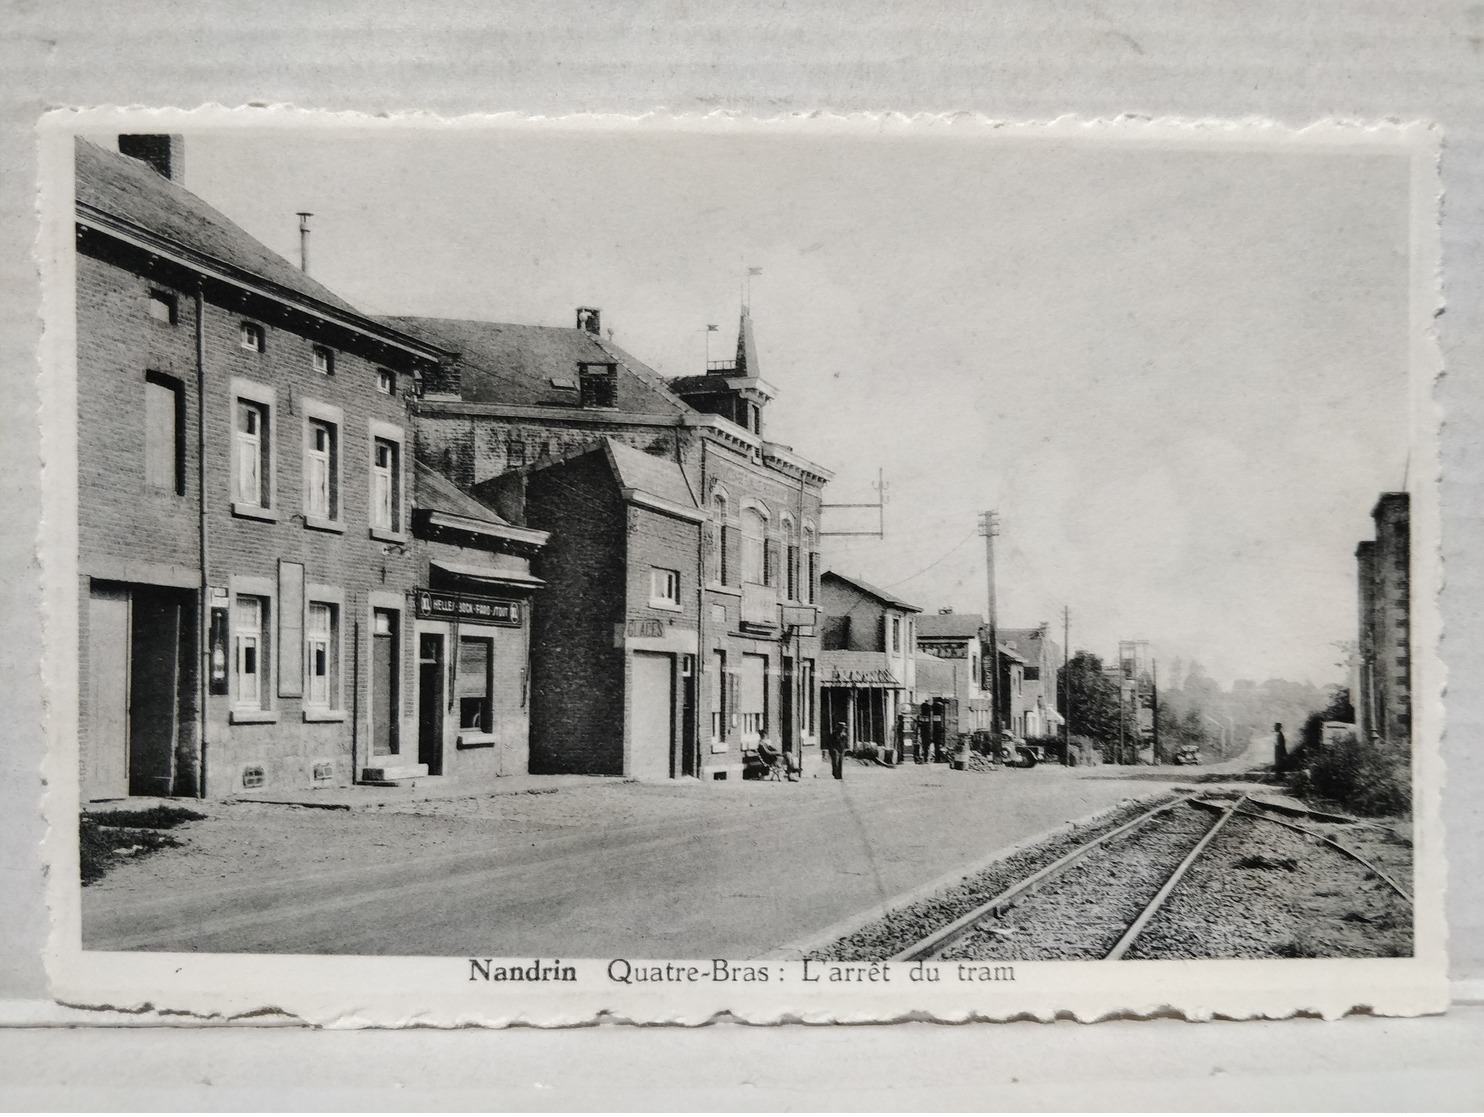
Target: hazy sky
x,y
1178,372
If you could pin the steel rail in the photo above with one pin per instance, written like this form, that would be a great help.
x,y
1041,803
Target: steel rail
x,y
1137,926
1346,850
947,935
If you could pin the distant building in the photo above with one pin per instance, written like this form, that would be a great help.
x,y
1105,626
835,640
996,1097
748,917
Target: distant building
x,y
949,665
1036,702
868,664
1383,705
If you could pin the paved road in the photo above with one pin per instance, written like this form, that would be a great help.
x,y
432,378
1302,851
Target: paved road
x,y
741,883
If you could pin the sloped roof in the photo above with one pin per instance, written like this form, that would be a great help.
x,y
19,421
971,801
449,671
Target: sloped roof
x,y
659,477
133,192
503,362
870,590
1029,642
949,626
434,492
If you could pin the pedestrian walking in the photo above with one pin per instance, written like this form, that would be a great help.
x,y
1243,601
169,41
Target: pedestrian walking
x,y
839,737
1280,748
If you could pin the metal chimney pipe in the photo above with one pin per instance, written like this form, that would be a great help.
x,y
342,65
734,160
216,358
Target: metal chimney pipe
x,y
304,241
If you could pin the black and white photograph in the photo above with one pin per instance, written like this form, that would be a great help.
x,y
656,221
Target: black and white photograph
x,y
812,557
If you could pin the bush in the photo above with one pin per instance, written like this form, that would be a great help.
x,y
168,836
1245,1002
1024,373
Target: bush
x,y
106,837
1367,777
1085,751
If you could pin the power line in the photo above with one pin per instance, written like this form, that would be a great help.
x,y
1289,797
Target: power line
x,y
935,562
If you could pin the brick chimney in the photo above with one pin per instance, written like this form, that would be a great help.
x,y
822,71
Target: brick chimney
x,y
166,154
590,318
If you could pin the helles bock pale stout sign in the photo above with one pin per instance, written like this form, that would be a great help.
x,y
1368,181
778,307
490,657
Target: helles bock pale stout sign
x,y
994,575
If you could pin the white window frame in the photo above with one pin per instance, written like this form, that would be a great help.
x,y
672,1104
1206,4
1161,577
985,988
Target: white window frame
x,y
332,707
245,710
379,431
809,557
788,581
252,336
323,359
386,381
746,552
317,414
266,400
664,589
721,525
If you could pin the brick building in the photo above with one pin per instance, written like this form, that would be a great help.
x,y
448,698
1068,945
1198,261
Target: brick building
x,y
1034,703
868,666
949,647
517,400
1383,705
249,546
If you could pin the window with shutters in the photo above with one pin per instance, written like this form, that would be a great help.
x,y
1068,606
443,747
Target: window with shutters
x,y
164,434
474,684
322,655
896,634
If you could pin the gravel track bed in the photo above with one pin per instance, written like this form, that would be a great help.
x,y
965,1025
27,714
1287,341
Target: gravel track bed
x,y
1264,891
899,929
1083,912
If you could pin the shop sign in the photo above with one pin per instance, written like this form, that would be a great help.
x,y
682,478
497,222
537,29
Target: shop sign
x,y
442,605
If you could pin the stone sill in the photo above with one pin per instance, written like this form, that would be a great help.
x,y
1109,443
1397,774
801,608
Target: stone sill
x,y
254,512
324,715
252,717
319,523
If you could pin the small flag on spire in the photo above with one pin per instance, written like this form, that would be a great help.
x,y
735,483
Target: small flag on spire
x,y
712,329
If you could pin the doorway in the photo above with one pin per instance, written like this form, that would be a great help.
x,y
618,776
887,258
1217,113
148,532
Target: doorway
x,y
788,730
689,761
384,738
652,722
138,654
430,676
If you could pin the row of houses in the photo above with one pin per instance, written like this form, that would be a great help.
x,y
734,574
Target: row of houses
x,y
891,673
318,547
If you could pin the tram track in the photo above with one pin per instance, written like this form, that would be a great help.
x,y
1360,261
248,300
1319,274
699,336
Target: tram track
x,y
1096,899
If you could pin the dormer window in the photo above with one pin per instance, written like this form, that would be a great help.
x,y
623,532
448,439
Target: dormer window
x,y
599,383
250,337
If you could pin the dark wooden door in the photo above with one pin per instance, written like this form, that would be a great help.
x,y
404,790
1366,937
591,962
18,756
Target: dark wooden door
x,y
154,692
384,683
430,674
788,731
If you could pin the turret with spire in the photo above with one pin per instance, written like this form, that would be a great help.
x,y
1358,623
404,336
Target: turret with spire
x,y
732,389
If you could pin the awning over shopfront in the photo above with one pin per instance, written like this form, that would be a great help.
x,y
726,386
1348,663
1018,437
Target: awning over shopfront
x,y
857,669
487,575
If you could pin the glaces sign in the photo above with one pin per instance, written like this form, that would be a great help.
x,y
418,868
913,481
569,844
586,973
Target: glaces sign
x,y
439,605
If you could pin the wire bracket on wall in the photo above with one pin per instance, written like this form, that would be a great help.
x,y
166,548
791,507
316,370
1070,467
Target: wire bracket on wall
x,y
880,485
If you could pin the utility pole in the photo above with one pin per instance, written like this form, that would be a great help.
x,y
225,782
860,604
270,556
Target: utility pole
x,y
989,527
1066,685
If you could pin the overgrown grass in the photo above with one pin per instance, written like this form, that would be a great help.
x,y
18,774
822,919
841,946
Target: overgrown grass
x,y
106,837
1366,777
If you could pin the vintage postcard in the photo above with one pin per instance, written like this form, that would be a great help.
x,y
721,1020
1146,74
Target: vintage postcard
x,y
830,569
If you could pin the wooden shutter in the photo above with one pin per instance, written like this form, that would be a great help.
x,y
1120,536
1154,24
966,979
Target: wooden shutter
x,y
290,629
